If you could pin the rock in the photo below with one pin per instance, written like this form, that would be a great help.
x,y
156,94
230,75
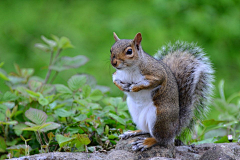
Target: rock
x,y
123,151
64,156
120,155
155,151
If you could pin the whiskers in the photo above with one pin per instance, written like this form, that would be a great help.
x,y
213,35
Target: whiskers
x,y
107,64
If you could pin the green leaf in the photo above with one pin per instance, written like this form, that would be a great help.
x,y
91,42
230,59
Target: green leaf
x,y
27,72
1,64
209,140
3,145
33,94
103,89
76,82
96,95
17,68
91,81
55,38
18,128
82,139
16,80
81,117
37,116
112,136
43,47
63,140
95,106
223,139
50,136
65,63
9,105
117,118
3,75
9,123
30,124
3,108
36,127
51,43
2,117
64,43
115,101
34,85
11,143
221,90
73,130
125,114
52,126
63,113
122,106
8,96
106,130
47,89
62,89
17,147
82,102
43,101
100,130
211,122
86,90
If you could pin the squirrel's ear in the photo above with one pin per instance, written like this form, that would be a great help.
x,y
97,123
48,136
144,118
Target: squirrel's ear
x,y
115,37
137,40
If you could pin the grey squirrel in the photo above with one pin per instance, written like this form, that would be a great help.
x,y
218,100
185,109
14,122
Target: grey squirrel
x,y
166,94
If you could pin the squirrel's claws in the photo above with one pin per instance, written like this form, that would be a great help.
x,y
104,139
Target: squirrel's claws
x,y
138,145
122,85
127,134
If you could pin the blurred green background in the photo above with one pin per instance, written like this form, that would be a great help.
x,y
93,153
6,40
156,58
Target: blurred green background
x,y
214,25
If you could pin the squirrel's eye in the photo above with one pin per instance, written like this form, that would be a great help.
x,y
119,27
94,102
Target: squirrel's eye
x,y
129,51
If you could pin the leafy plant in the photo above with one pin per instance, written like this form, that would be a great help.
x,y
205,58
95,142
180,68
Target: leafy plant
x,y
77,116
216,131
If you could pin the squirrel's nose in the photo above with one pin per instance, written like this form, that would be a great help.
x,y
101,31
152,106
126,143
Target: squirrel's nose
x,y
114,63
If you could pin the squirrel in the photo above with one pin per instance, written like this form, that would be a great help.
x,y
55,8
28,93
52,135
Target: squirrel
x,y
167,93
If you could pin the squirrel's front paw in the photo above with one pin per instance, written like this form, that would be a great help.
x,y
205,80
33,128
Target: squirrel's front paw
x,y
122,86
134,87
128,134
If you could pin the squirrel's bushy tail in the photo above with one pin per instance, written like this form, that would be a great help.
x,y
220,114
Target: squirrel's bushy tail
x,y
194,76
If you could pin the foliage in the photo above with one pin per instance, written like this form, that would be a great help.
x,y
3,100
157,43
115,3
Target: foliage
x,y
217,130
79,116
213,25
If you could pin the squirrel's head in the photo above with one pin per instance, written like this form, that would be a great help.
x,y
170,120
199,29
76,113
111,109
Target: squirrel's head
x,y
125,52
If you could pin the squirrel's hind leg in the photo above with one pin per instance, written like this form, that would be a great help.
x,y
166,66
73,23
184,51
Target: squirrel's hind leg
x,y
143,143
128,134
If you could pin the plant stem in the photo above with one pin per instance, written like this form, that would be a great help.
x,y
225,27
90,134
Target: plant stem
x,y
5,138
40,139
51,63
49,70
55,75
58,52
46,141
6,132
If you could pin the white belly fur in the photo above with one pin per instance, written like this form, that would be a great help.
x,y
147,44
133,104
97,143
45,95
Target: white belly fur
x,y
140,103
